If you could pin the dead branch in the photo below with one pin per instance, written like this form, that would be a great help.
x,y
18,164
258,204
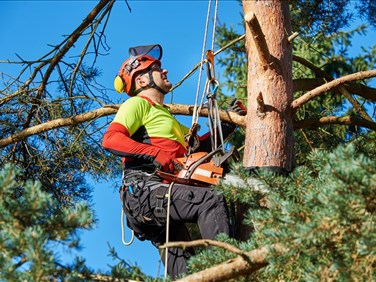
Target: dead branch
x,y
329,86
307,84
258,39
260,105
86,47
57,123
292,36
201,63
203,242
345,120
233,268
106,111
357,106
56,59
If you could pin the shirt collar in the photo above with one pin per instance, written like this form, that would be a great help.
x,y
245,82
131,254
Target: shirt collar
x,y
151,102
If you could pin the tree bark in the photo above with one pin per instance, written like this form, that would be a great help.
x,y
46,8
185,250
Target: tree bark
x,y
269,139
245,264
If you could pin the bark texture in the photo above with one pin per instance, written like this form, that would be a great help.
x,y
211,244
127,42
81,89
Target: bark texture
x,y
269,134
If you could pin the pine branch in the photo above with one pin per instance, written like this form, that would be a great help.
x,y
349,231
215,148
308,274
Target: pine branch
x,y
105,111
307,84
258,39
358,107
345,120
329,86
204,242
178,109
253,261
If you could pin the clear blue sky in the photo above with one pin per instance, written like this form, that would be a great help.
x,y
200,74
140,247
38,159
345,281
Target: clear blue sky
x,y
27,27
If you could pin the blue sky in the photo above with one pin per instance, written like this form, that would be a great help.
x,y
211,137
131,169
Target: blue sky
x,y
27,27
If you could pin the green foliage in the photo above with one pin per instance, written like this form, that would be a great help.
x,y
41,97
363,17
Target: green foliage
x,y
124,270
322,213
312,18
330,54
34,227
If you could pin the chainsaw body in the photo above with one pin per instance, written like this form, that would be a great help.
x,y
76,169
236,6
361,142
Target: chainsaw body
x,y
200,169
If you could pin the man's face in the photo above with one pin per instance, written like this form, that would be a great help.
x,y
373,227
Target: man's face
x,y
160,77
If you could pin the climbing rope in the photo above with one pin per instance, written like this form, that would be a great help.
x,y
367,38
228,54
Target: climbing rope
x,y
199,64
168,195
195,115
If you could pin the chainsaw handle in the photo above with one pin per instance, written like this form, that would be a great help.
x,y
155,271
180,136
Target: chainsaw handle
x,y
192,168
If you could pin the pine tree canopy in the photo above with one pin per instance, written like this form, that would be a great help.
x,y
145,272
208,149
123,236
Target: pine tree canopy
x,y
322,213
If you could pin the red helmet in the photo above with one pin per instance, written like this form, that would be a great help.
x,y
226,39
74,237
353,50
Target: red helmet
x,y
140,58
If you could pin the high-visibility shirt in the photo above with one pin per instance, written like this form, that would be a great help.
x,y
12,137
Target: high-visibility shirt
x,y
140,129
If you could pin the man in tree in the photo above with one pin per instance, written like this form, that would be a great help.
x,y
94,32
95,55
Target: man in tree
x,y
149,138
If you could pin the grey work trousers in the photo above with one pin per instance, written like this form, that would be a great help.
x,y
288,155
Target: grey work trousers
x,y
189,204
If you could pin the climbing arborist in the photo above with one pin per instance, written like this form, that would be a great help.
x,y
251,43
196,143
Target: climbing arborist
x,y
149,138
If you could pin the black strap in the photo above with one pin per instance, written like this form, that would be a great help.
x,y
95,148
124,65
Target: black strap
x,y
151,84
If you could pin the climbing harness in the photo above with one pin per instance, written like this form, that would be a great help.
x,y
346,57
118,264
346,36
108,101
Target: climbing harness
x,y
134,185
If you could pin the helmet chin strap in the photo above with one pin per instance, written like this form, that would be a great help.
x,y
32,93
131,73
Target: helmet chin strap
x,y
151,84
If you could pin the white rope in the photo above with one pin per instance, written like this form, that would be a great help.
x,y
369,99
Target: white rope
x,y
214,24
168,195
194,115
122,231
196,111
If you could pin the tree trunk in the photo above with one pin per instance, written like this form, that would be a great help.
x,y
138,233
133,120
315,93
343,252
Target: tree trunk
x,y
269,141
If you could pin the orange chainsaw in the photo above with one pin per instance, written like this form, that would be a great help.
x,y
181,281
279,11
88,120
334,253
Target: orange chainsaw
x,y
200,169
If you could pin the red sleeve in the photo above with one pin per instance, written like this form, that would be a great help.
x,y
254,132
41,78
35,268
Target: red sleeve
x,y
117,141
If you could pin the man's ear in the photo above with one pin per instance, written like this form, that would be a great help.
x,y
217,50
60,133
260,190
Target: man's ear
x,y
141,81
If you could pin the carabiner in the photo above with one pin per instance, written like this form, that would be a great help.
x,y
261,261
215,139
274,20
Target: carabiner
x,y
210,65
214,84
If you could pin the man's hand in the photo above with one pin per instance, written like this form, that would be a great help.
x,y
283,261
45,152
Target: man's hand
x,y
237,106
164,161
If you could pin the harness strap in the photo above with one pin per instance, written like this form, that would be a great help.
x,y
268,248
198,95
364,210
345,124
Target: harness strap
x,y
134,184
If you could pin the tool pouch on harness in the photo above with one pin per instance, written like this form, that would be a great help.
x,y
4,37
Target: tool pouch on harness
x,y
143,200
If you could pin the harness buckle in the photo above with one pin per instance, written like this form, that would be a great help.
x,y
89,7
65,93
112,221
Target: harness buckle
x,y
159,210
